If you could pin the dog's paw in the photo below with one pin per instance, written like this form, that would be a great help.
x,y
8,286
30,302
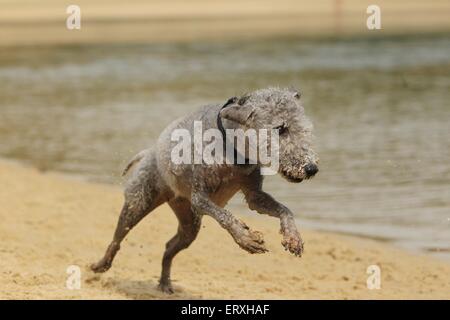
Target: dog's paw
x,y
252,242
294,243
166,287
100,267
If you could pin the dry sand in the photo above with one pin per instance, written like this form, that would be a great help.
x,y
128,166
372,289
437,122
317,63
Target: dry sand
x,y
49,222
24,22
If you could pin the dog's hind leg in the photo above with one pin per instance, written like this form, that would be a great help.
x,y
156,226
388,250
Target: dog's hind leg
x,y
188,227
144,192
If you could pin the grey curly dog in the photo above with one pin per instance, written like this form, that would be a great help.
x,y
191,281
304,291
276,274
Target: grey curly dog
x,y
193,190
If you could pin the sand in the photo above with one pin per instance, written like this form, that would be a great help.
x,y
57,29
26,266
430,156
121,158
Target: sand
x,y
24,22
50,221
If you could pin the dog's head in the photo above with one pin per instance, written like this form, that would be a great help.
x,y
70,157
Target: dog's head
x,y
278,109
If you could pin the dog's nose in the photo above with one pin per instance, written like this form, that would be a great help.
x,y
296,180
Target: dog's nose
x,y
311,169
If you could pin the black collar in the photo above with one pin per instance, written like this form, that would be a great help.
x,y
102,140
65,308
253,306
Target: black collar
x,y
219,119
224,136
220,125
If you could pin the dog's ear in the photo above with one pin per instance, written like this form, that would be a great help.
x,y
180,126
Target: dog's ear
x,y
234,110
295,92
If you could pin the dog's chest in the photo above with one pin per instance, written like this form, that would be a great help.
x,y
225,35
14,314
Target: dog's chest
x,y
224,178
223,187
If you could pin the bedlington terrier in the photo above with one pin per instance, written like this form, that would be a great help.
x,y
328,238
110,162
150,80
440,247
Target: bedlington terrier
x,y
197,188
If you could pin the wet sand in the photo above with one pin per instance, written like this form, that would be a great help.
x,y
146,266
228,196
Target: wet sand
x,y
50,221
139,21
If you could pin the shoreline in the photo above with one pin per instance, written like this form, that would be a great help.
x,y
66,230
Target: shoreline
x,y
434,253
51,221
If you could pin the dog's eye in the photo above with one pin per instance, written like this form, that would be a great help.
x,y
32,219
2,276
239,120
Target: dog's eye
x,y
282,129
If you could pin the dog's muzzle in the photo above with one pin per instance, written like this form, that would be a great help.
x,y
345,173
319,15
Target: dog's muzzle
x,y
307,172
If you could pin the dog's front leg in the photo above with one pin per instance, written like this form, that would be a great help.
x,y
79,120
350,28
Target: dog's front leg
x,y
251,241
264,203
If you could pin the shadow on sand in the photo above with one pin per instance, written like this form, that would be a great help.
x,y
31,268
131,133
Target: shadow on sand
x,y
148,290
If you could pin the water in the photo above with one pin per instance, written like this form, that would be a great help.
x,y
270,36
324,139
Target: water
x,y
381,109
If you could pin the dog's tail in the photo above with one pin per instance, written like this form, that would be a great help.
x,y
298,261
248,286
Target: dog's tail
x,y
133,161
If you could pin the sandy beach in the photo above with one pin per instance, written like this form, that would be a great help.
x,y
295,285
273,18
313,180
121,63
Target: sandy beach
x,y
139,21
50,222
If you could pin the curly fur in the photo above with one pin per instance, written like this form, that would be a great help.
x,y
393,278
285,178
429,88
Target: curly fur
x,y
193,190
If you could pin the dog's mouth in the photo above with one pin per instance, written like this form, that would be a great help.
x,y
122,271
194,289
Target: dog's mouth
x,y
290,178
299,177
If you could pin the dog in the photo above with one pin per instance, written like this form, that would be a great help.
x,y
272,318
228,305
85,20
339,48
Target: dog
x,y
195,189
